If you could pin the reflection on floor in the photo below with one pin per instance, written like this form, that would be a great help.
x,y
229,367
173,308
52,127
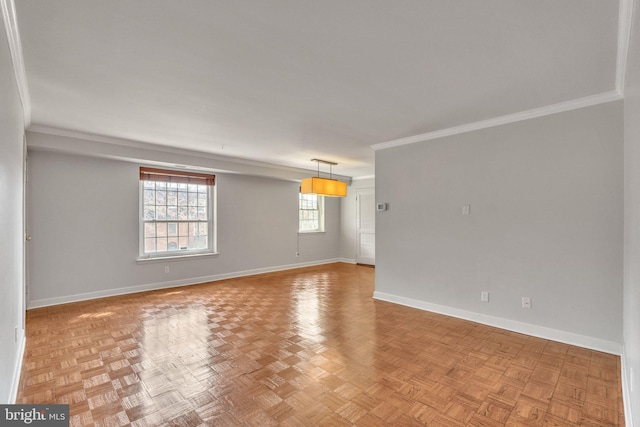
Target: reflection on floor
x,y
303,347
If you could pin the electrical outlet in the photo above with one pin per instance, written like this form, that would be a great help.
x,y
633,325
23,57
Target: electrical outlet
x,y
484,296
466,210
526,302
166,269
297,253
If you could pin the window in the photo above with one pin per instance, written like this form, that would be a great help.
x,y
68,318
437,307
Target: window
x,y
176,215
310,213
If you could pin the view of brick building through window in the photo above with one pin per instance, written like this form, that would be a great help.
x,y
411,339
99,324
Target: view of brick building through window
x,y
175,216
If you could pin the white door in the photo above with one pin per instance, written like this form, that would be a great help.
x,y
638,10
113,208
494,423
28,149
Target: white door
x,y
366,226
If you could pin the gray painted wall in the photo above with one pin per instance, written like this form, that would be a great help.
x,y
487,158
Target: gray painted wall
x,y
11,218
632,220
83,218
546,221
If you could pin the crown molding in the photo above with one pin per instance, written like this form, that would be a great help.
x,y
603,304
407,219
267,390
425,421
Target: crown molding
x,y
624,34
15,48
93,145
503,120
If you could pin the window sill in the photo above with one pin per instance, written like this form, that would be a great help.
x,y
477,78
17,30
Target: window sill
x,y
310,233
175,257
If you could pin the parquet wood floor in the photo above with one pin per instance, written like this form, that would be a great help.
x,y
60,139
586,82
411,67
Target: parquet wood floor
x,y
301,348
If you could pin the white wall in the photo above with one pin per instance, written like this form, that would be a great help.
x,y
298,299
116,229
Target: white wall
x,y
546,222
348,219
83,218
632,222
11,218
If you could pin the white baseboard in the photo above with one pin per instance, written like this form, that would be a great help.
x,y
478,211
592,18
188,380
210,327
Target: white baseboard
x,y
347,260
626,392
170,284
15,383
510,325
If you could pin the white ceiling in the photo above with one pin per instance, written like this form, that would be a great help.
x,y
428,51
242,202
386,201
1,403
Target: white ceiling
x,y
286,81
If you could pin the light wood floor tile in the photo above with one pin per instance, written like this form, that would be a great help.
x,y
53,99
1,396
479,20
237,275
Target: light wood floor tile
x,y
301,348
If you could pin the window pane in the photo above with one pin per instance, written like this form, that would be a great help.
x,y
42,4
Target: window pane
x,y
202,229
182,198
308,201
161,185
183,229
161,229
202,199
172,244
150,230
172,198
198,242
183,214
149,213
202,213
161,197
172,213
193,213
193,199
161,244
172,229
149,197
150,245
161,213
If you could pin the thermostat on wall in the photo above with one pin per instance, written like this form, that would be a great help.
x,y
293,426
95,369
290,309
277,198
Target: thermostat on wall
x,y
381,207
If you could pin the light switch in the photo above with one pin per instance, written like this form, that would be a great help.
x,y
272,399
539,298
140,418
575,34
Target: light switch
x,y
466,210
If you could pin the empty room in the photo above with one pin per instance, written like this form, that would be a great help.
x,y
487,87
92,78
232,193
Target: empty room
x,y
303,213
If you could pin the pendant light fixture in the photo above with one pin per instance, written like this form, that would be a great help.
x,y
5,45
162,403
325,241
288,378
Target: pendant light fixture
x,y
324,186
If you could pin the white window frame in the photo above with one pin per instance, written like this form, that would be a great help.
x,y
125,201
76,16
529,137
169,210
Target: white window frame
x,y
320,209
178,254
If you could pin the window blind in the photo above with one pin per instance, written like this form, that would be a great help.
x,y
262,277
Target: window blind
x,y
167,175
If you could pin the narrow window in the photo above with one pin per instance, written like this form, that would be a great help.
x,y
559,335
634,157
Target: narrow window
x,y
176,216
310,213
